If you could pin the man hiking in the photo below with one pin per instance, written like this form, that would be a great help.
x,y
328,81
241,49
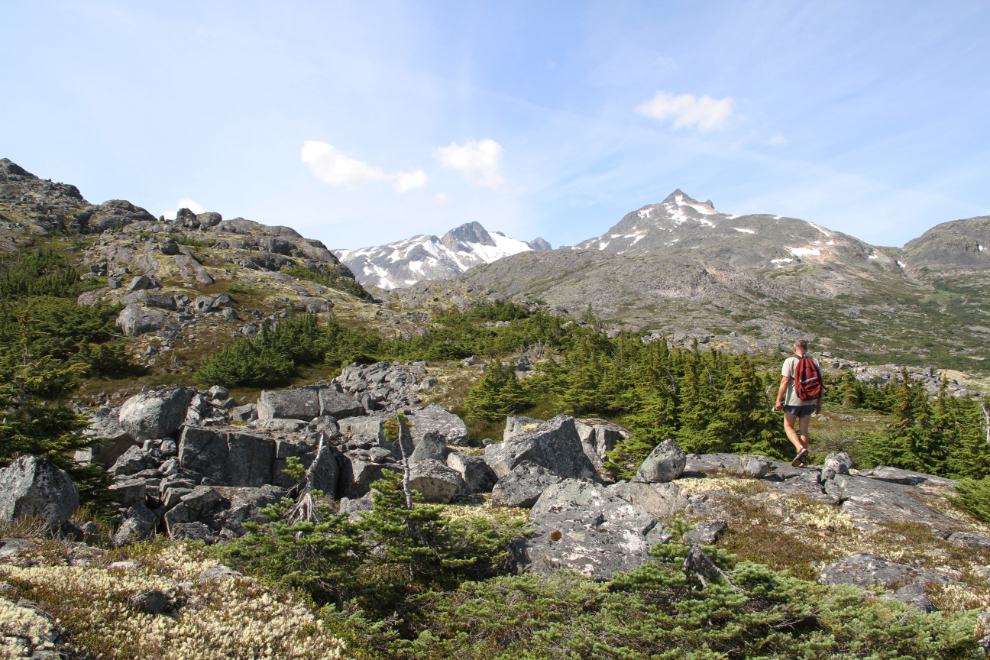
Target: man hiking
x,y
802,386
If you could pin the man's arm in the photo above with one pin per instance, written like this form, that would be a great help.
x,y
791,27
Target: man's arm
x,y
784,383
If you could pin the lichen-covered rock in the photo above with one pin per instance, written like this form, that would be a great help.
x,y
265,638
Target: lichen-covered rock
x,y
523,486
430,447
358,475
661,500
477,476
138,525
866,570
913,595
323,473
554,444
598,438
192,531
435,481
664,464
136,320
155,413
33,486
706,532
517,425
302,403
245,413
438,420
338,404
130,462
577,524
970,540
128,491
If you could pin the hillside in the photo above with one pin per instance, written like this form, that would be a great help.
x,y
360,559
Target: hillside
x,y
962,244
683,267
404,263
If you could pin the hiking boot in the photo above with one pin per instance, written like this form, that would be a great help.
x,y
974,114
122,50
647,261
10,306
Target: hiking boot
x,y
799,459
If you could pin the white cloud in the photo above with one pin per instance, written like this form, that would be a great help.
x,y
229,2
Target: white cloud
x,y
332,167
777,139
441,198
185,203
477,161
705,113
406,181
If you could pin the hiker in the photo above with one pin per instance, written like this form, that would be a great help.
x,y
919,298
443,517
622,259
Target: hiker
x,y
802,386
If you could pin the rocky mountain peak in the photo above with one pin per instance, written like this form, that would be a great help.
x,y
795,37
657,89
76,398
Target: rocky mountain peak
x,y
404,263
539,244
469,232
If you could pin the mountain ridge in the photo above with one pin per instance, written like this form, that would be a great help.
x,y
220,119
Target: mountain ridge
x,y
427,257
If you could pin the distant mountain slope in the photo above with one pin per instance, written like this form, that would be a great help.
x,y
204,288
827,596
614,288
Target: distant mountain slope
x,y
680,225
424,257
681,265
956,244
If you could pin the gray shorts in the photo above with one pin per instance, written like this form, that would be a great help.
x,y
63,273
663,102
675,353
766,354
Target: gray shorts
x,y
801,411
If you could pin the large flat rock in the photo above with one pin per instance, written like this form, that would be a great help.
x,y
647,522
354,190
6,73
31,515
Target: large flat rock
x,y
577,524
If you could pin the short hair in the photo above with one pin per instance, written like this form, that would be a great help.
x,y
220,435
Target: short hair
x,y
801,344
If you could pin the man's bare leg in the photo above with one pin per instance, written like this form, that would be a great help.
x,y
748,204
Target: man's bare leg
x,y
805,422
792,434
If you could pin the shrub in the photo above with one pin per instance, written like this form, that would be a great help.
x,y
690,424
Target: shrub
x,y
377,563
973,497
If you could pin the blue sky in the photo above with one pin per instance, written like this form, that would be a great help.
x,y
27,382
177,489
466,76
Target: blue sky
x,y
366,122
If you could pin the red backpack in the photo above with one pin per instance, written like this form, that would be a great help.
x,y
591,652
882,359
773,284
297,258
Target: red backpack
x,y
807,379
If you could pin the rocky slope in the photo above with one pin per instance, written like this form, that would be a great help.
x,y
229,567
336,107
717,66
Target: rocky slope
x,y
422,257
682,266
961,244
189,284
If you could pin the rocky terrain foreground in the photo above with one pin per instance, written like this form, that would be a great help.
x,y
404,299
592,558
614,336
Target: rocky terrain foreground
x,y
192,465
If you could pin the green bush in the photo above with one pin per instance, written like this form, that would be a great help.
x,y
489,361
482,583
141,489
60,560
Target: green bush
x,y
334,277
662,610
973,496
380,562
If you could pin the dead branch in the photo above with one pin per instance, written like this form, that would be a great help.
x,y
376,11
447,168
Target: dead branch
x,y
698,563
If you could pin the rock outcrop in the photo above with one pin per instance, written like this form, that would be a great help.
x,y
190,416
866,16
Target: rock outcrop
x,y
554,444
578,525
36,487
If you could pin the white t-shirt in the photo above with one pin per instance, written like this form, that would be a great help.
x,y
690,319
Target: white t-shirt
x,y
790,365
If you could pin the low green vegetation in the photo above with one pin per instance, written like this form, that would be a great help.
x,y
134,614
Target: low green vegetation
x,y
402,589
330,276
378,564
973,497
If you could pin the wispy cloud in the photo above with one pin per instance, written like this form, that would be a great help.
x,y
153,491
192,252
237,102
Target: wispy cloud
x,y
332,167
478,161
705,113
777,140
441,198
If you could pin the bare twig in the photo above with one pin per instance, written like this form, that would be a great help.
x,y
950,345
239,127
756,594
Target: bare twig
x,y
698,563
407,491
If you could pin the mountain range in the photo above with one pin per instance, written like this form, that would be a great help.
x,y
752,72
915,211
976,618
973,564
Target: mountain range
x,y
679,267
423,257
